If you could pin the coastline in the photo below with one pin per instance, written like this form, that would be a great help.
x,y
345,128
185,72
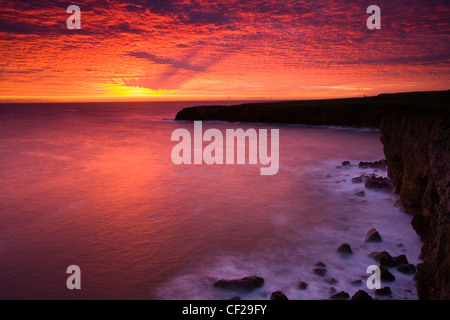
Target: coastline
x,y
415,133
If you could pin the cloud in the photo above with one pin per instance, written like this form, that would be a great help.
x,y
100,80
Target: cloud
x,y
265,46
176,73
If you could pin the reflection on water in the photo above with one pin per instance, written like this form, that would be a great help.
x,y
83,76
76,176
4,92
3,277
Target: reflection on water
x,y
94,185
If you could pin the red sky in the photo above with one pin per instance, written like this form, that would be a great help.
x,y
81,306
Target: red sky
x,y
211,49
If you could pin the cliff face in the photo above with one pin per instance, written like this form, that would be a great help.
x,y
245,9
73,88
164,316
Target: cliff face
x,y
417,151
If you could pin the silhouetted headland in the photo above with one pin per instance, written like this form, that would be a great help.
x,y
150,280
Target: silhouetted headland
x,y
350,112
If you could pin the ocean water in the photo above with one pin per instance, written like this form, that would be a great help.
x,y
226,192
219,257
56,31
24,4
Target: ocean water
x,y
94,185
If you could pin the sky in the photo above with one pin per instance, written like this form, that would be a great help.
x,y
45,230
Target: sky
x,y
142,50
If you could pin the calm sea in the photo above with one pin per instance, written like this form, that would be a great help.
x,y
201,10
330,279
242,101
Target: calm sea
x,y
94,185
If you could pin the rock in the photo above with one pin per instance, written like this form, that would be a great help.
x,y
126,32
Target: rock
x,y
361,295
331,281
356,283
236,298
332,290
345,249
320,271
373,236
302,285
382,164
407,269
320,264
245,284
378,255
401,259
340,296
357,180
387,262
386,291
360,193
278,295
346,164
379,184
390,262
386,275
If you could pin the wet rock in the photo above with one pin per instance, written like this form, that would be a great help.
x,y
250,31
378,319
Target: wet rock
x,y
407,269
361,295
356,283
386,291
401,259
332,290
278,295
390,262
320,264
386,275
360,193
346,164
340,296
320,271
373,236
245,284
378,255
362,178
302,285
357,180
331,281
379,184
382,164
236,298
345,249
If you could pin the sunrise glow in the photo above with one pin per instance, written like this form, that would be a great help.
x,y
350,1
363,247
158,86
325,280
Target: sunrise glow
x,y
197,49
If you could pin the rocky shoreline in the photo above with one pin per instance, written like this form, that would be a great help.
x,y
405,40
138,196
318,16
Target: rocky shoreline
x,y
320,270
415,132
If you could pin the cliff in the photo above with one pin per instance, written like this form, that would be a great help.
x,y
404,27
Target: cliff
x,y
415,132
416,145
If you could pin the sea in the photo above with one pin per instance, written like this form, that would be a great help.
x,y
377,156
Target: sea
x,y
94,185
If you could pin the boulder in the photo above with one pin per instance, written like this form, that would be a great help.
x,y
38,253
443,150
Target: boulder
x,y
357,180
382,164
386,275
360,193
373,236
320,271
345,249
401,259
390,262
340,296
244,284
407,269
386,291
331,281
346,164
379,184
302,285
278,295
361,295
320,264
378,255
